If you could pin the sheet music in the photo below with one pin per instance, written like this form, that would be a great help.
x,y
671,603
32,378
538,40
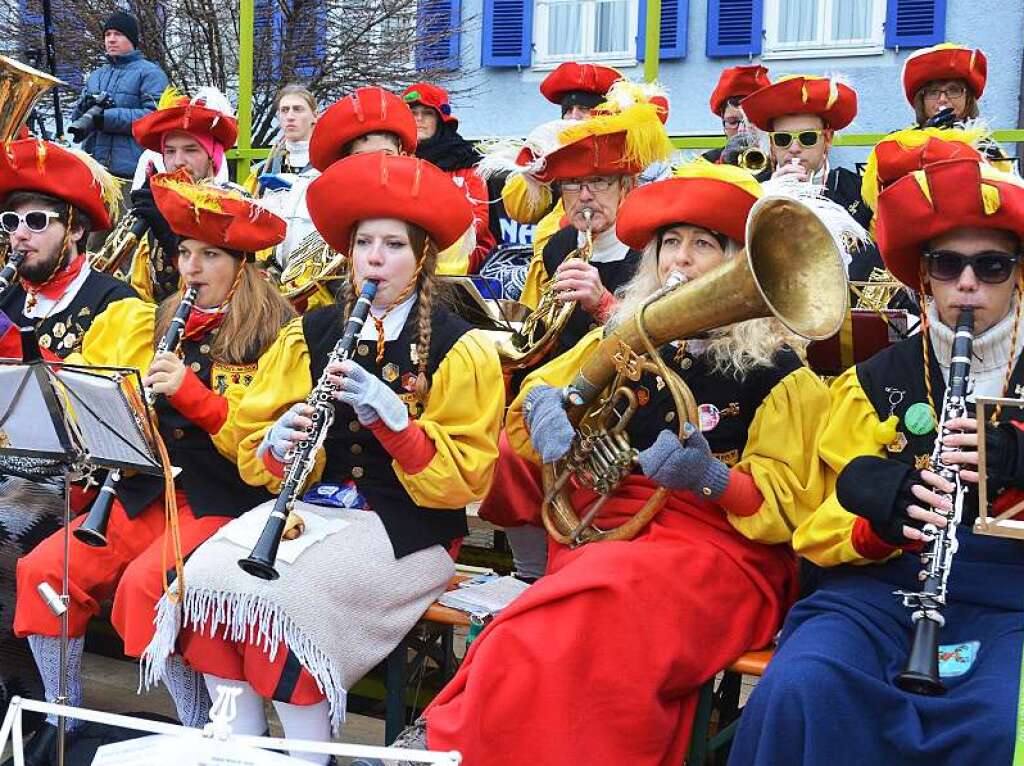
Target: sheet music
x,y
104,418
27,425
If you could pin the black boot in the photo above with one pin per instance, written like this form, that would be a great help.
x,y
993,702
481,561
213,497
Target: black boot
x,y
42,748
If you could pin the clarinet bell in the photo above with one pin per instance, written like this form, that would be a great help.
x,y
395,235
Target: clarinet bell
x,y
93,531
921,675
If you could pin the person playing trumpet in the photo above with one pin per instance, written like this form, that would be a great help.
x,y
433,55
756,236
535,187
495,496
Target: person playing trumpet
x,y
417,409
600,661
234,319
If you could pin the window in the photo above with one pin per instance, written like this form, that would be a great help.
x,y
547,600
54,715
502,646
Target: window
x,y
806,28
591,30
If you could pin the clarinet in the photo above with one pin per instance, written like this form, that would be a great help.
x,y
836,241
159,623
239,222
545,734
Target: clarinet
x,y
921,674
260,562
93,531
9,273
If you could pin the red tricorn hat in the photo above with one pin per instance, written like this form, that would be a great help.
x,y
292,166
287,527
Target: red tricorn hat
x,y
905,151
365,110
736,82
715,197
178,112
570,76
67,174
221,216
378,185
430,95
946,195
833,101
945,61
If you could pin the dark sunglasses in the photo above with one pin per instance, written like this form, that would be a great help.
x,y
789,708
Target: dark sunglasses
x,y
991,267
783,138
35,220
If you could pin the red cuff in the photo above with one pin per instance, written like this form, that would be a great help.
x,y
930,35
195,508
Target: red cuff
x,y
272,464
199,404
741,496
411,446
871,546
605,307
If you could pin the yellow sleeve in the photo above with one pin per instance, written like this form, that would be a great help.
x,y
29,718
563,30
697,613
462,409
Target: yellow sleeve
x,y
559,372
781,456
826,536
516,198
140,278
462,417
122,336
547,228
454,260
282,379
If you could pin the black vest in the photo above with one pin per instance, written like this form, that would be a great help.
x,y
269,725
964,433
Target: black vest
x,y
353,452
61,332
209,480
893,381
731,402
614,274
843,187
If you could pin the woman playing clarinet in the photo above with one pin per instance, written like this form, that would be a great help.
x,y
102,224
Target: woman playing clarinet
x,y
416,411
195,389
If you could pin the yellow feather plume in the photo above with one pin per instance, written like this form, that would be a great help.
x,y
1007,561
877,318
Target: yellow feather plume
x,y
171,97
110,187
646,139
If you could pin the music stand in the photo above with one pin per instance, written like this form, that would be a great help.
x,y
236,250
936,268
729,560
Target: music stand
x,y
83,418
1004,524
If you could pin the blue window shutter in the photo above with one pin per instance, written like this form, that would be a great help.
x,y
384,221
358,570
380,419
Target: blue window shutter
x,y
734,27
674,17
437,23
915,23
508,33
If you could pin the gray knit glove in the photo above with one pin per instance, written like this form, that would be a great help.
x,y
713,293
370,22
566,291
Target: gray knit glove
x,y
549,426
371,398
685,465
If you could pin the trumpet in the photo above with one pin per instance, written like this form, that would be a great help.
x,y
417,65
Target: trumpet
x,y
9,273
260,562
93,531
753,159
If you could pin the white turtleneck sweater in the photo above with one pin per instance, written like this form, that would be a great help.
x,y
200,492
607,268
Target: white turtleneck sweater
x,y
990,352
607,247
297,153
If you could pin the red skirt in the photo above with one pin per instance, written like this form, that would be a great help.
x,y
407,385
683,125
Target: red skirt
x,y
601,660
516,493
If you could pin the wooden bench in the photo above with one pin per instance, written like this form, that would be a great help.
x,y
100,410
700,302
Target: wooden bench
x,y
718,707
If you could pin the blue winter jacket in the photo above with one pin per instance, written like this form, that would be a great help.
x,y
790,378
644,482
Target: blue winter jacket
x,y
135,83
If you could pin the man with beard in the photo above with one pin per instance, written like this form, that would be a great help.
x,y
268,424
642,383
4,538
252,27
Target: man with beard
x,y
50,199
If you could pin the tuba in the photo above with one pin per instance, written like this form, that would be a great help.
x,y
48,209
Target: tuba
x,y
791,269
21,87
541,328
310,263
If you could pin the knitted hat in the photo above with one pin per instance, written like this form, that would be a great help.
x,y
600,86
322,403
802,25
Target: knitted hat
x,y
946,61
433,96
124,23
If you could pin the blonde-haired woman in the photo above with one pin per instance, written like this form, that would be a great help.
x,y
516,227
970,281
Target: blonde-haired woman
x,y
618,637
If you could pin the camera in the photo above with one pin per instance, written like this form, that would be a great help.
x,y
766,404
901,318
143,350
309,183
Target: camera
x,y
80,129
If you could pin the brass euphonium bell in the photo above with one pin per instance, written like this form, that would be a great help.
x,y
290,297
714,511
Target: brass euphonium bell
x,y
310,264
791,269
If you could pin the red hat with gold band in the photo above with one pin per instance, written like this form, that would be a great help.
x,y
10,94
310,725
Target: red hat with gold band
x,y
714,197
825,97
433,96
365,110
225,217
737,82
622,136
946,195
378,185
571,77
178,112
905,151
67,174
946,61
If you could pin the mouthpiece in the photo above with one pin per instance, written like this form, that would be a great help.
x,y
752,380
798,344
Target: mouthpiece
x,y
675,278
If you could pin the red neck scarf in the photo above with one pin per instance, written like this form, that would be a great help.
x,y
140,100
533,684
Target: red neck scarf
x,y
54,287
199,323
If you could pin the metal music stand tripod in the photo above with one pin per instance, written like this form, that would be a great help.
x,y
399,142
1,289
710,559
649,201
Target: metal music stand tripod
x,y
82,418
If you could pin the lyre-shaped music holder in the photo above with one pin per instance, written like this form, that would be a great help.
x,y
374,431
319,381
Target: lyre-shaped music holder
x,y
1004,524
83,418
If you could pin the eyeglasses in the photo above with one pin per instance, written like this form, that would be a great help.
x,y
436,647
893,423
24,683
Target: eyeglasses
x,y
732,122
991,267
953,90
807,138
35,220
595,184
